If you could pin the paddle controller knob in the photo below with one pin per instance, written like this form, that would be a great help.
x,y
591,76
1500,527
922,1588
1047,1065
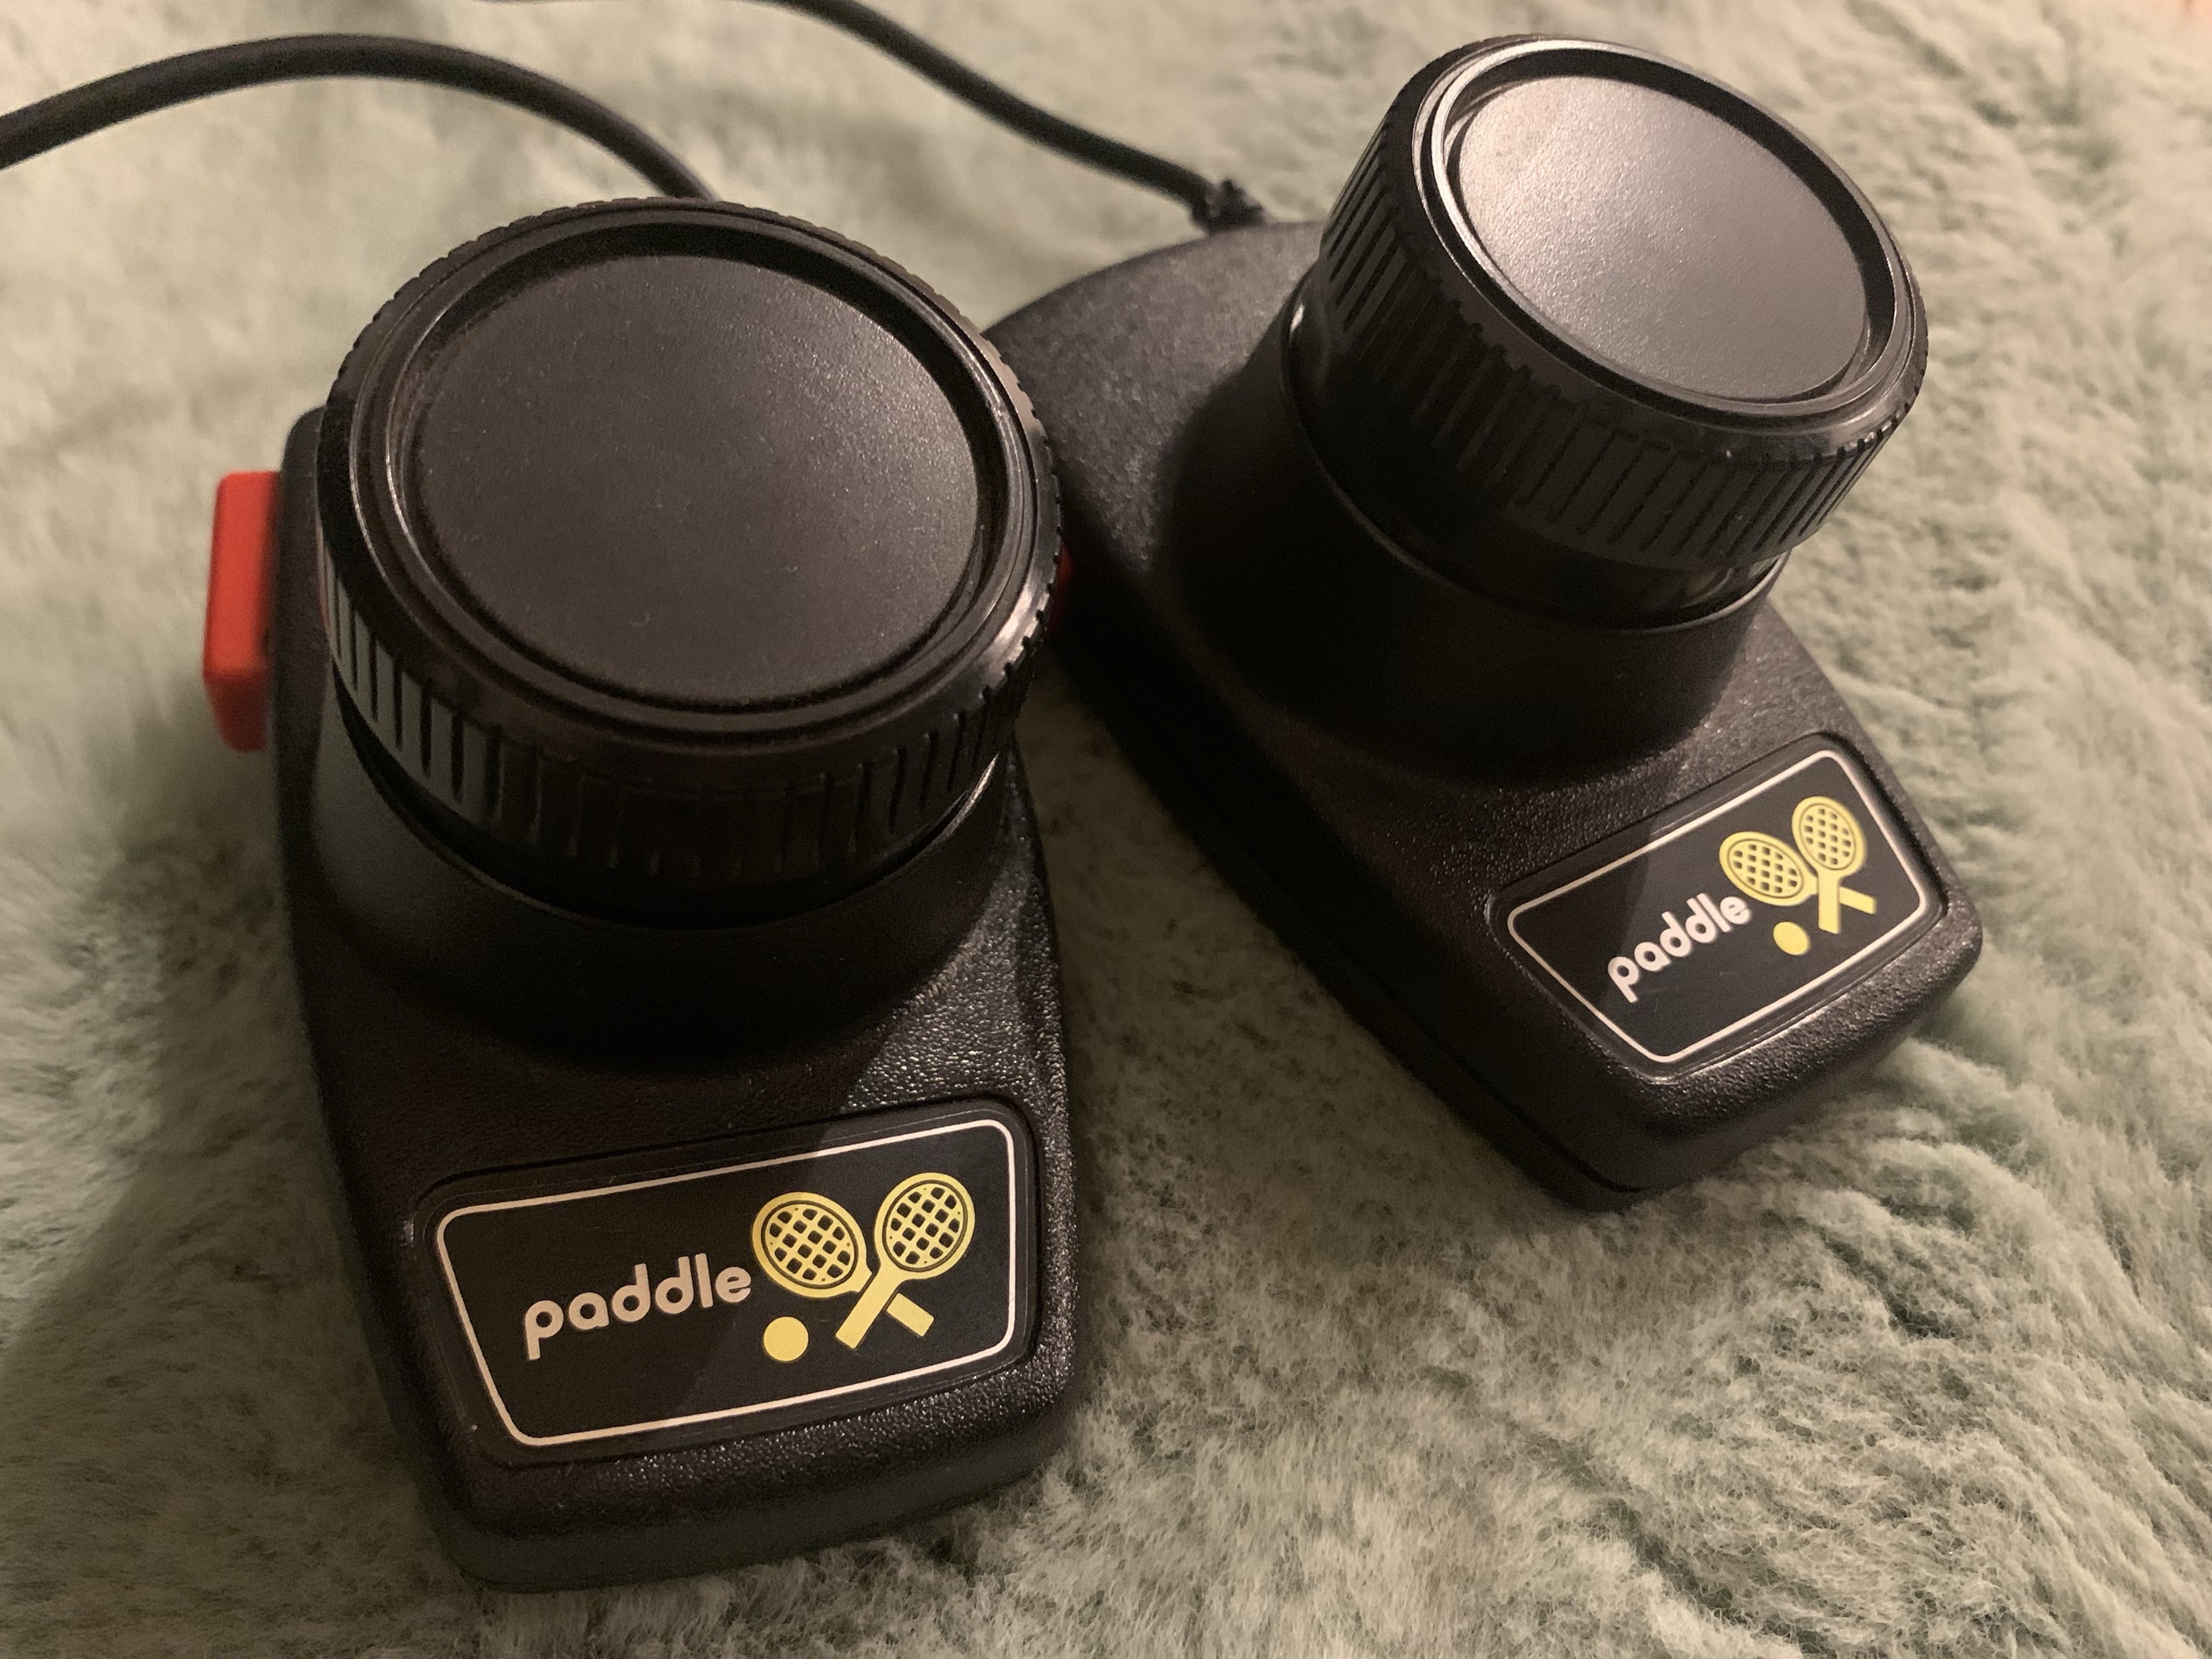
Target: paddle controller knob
x,y
680,560
1598,336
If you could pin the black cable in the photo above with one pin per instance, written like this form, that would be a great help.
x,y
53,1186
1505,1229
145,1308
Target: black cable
x,y
1214,204
37,128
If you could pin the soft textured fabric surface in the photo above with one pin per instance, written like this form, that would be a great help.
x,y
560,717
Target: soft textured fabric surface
x,y
1932,1374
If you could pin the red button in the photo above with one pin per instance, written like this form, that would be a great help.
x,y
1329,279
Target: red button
x,y
235,660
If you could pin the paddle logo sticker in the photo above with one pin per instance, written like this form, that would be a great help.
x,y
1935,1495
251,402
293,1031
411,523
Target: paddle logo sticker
x,y
811,1246
675,1304
1735,911
1828,845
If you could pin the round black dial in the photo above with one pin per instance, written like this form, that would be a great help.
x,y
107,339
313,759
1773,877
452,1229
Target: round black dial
x,y
680,558
1599,335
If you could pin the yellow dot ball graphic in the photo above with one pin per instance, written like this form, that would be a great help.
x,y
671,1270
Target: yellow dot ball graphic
x,y
1792,938
784,1339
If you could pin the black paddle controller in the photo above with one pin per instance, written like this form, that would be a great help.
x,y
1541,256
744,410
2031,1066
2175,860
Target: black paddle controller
x,y
641,625
1421,561
653,598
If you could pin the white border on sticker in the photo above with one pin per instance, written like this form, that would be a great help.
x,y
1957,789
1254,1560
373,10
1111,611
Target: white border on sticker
x,y
1858,781
483,1368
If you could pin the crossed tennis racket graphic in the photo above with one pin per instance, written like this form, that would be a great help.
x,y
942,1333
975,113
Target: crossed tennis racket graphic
x,y
812,1246
1830,845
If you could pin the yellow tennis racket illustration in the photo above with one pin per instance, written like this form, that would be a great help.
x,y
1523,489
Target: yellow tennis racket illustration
x,y
1771,872
1767,868
811,1245
922,1228
1833,843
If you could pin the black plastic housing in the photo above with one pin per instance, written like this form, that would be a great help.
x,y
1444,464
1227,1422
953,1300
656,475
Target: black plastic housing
x,y
461,1031
1379,757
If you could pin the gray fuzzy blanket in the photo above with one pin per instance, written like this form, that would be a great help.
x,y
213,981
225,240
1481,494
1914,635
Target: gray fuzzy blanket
x,y
1931,1375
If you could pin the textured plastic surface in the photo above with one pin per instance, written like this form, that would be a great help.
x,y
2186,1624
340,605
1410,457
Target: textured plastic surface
x,y
1384,869
423,1080
716,611
1588,295
1574,185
